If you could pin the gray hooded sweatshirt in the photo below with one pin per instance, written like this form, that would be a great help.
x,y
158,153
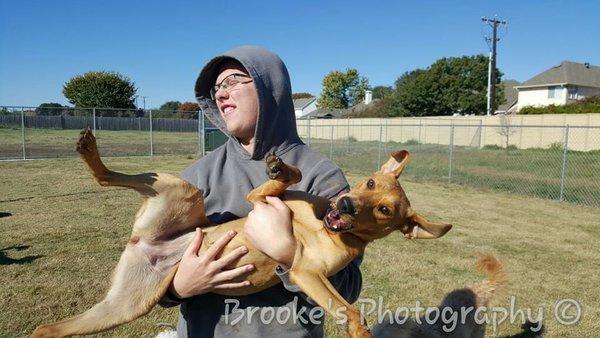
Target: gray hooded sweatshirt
x,y
227,174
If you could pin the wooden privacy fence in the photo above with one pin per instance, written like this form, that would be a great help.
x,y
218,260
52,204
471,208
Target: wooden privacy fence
x,y
102,123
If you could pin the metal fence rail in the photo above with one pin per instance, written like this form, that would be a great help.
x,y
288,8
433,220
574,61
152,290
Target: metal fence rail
x,y
561,163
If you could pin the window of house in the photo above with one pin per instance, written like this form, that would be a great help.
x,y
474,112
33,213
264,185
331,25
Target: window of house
x,y
572,92
554,92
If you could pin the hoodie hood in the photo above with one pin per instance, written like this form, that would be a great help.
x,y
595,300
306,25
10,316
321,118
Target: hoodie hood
x,y
276,125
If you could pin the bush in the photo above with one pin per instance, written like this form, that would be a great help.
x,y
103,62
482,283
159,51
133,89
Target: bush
x,y
589,105
492,147
556,146
412,142
188,110
50,109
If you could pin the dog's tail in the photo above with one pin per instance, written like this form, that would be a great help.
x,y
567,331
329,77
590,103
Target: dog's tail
x,y
495,281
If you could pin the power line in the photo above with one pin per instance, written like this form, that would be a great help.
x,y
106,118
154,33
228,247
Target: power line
x,y
494,23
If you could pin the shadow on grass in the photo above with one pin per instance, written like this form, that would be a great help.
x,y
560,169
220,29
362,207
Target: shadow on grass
x,y
5,214
5,260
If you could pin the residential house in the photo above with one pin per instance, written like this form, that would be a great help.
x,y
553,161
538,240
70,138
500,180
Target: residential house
x,y
560,85
304,106
511,95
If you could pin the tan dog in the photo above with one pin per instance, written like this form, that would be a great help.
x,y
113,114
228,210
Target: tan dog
x,y
172,209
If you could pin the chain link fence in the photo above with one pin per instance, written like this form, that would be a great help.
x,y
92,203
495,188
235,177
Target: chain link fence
x,y
32,133
554,162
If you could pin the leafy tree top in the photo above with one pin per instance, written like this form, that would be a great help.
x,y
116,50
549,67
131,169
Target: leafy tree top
x,y
100,89
342,89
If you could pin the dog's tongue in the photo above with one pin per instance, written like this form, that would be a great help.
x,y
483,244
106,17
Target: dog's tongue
x,y
334,222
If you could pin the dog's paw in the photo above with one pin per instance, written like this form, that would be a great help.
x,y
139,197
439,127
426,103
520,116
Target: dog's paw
x,y
87,142
275,166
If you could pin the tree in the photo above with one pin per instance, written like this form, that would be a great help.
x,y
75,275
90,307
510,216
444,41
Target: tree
x,y
188,110
450,85
101,89
167,110
342,89
380,92
505,129
170,105
302,95
50,109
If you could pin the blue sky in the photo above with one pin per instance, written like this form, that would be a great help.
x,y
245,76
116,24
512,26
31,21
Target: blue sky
x,y
162,45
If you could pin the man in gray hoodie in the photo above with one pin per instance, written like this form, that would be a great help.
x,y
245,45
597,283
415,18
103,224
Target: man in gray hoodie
x,y
246,93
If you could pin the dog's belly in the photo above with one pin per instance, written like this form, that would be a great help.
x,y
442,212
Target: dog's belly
x,y
262,277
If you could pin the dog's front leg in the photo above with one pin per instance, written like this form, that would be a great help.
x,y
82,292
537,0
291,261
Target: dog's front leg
x,y
281,177
318,287
136,288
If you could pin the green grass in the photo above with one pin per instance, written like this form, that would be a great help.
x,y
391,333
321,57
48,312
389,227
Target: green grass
x,y
65,235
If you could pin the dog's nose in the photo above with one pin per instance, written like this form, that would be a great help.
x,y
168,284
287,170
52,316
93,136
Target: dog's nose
x,y
345,205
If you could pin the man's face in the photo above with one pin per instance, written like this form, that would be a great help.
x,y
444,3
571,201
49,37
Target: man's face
x,y
238,104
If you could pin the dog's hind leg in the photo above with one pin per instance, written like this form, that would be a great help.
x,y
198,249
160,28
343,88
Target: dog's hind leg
x,y
87,148
281,177
136,288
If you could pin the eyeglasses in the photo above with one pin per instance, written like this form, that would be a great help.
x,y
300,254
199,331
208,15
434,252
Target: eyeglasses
x,y
229,83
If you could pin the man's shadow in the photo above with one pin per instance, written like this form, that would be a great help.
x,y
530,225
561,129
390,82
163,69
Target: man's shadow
x,y
5,260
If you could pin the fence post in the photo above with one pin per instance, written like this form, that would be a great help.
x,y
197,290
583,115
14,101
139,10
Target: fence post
x,y
309,130
331,144
451,150
480,134
23,131
379,147
420,126
387,139
564,165
201,134
348,132
151,140
94,121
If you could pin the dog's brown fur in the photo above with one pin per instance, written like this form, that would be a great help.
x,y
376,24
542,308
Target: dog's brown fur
x,y
172,209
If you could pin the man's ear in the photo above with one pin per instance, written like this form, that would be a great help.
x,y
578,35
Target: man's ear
x,y
395,165
420,228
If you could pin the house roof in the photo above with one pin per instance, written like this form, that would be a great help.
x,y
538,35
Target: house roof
x,y
567,72
302,103
510,93
359,107
325,113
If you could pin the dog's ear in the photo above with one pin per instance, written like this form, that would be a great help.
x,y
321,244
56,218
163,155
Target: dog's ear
x,y
395,165
420,228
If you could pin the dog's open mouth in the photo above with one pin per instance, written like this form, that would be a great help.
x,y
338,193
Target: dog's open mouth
x,y
334,222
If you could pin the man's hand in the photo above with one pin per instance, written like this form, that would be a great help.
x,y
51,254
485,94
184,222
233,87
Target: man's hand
x,y
198,274
269,229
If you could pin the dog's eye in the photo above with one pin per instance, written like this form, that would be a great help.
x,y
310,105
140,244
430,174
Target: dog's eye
x,y
385,210
370,184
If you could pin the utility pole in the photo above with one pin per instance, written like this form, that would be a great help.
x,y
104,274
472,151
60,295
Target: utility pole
x,y
491,99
